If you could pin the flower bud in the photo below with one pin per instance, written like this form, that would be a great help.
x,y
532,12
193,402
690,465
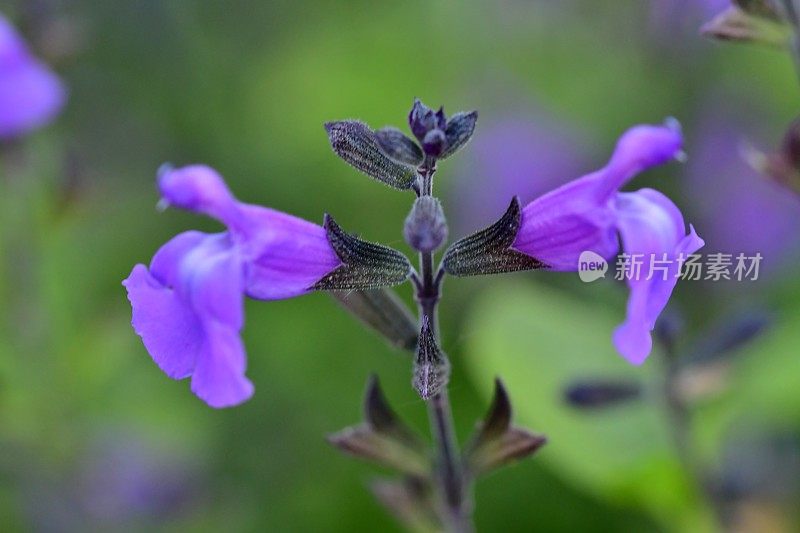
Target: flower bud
x,y
423,119
596,394
426,227
431,367
434,142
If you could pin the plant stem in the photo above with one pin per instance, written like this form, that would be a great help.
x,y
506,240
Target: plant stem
x,y
449,474
680,419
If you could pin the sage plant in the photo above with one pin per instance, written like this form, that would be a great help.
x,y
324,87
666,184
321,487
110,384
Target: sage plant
x,y
188,303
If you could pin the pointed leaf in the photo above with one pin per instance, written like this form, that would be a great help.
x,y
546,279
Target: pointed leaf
x,y
383,438
498,419
497,442
365,265
400,148
458,132
383,311
382,419
362,442
489,251
354,142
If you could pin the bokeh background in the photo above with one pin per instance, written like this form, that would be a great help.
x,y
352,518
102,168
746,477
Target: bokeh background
x,y
94,437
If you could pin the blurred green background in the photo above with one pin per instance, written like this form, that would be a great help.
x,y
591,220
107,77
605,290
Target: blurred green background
x,y
95,437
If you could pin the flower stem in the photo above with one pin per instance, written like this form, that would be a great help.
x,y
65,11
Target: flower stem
x,y
680,418
449,473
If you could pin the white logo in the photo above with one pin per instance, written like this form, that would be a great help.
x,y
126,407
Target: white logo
x,y
591,266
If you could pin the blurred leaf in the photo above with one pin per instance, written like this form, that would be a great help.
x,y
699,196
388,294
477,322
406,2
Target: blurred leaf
x,y
496,441
410,500
733,24
764,382
540,340
383,438
729,336
383,311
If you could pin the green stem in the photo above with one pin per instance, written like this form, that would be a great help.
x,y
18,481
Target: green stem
x,y
449,474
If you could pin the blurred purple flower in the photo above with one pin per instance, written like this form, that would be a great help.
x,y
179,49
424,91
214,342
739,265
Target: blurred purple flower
x,y
740,210
188,306
674,22
126,480
525,157
30,94
589,213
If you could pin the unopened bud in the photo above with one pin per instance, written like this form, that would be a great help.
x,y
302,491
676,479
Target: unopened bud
x,y
597,394
431,367
426,227
423,119
434,143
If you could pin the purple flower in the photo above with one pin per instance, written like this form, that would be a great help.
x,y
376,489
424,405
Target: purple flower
x,y
188,306
590,214
30,94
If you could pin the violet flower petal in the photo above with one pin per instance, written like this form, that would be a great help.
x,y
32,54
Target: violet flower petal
x,y
218,378
169,328
557,227
213,277
189,309
166,263
288,255
651,225
201,189
284,256
639,148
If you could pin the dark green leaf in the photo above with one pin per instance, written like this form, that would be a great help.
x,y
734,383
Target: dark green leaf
x,y
489,250
365,265
383,311
399,147
460,128
354,142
